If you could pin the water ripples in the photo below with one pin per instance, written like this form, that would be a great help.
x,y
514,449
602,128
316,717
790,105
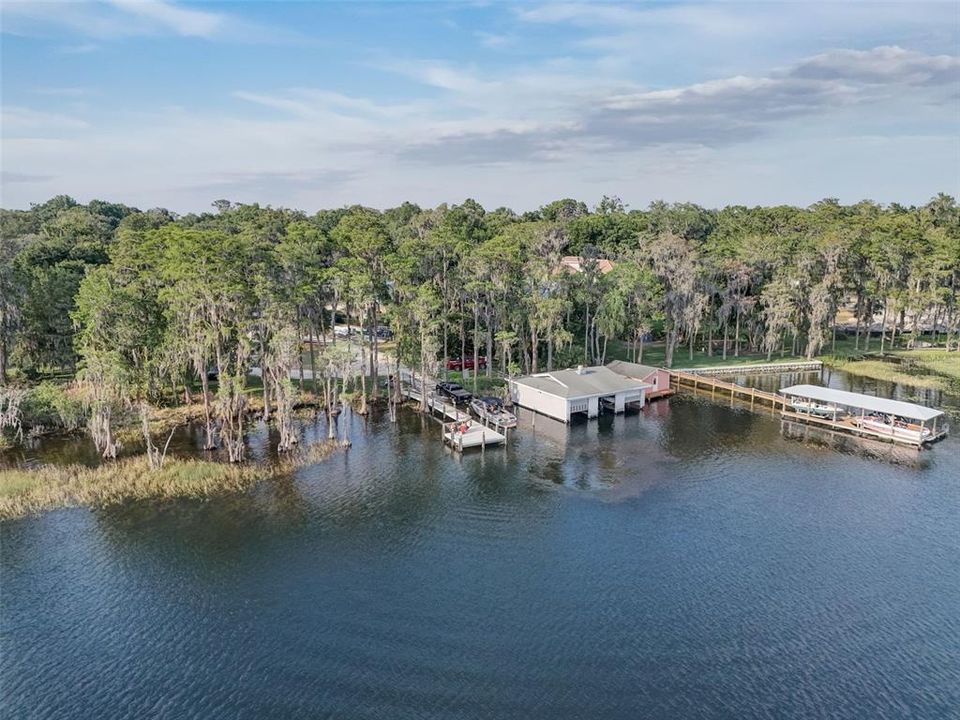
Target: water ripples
x,y
688,562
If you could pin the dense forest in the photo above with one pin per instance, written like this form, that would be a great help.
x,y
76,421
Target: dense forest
x,y
141,308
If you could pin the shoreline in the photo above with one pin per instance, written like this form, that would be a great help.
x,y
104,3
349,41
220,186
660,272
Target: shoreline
x,y
938,369
49,487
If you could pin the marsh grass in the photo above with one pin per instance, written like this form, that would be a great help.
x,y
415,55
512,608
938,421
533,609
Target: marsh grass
x,y
940,362
928,369
25,492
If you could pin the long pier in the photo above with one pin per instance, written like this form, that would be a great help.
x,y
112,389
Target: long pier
x,y
706,382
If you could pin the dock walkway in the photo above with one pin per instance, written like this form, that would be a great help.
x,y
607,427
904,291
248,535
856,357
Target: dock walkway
x,y
476,433
694,381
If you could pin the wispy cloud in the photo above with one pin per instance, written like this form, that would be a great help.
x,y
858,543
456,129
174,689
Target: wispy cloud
x,y
182,21
27,121
494,40
713,113
676,100
81,49
114,19
16,178
63,92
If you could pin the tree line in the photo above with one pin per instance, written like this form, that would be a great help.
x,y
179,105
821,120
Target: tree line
x,y
144,306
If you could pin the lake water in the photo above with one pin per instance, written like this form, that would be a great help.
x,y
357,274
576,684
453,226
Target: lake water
x,y
689,561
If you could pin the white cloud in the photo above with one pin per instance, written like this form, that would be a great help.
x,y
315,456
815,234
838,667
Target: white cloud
x,y
180,20
517,135
494,40
63,92
26,121
81,49
114,19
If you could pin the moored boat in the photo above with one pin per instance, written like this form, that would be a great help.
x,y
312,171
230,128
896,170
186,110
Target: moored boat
x,y
898,428
490,409
813,408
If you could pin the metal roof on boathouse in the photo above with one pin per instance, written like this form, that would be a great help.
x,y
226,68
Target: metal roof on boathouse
x,y
864,402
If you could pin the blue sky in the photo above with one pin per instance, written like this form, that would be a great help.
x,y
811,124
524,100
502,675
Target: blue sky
x,y
313,104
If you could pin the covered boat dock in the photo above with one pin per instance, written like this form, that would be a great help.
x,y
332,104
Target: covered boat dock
x,y
892,420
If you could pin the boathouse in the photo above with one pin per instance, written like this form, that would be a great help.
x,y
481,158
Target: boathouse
x,y
562,393
657,378
866,415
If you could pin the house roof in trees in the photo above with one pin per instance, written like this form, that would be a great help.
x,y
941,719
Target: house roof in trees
x,y
595,380
575,263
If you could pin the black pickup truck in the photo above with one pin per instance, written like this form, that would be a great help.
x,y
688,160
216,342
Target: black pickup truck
x,y
455,392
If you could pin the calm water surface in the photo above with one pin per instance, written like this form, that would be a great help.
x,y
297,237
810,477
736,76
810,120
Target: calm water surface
x,y
687,562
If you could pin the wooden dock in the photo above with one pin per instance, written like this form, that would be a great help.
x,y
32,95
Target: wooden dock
x,y
476,434
413,389
773,401
848,425
747,394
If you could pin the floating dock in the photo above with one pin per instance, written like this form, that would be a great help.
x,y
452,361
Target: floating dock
x,y
475,435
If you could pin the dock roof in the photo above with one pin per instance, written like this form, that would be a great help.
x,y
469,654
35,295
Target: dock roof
x,y
595,380
866,402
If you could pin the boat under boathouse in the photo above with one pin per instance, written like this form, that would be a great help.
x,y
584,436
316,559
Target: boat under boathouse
x,y
867,415
562,393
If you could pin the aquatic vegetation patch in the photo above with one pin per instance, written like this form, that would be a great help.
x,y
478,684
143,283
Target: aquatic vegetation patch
x,y
929,369
28,491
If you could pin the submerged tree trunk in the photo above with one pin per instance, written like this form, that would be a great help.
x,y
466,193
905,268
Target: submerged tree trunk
x,y
374,350
101,430
313,359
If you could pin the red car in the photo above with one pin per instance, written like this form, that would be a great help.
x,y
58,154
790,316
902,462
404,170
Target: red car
x,y
467,364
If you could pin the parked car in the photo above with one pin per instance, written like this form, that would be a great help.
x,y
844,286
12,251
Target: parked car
x,y
466,363
454,391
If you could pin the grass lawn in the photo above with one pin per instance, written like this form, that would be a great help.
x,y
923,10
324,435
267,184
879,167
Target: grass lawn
x,y
655,354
